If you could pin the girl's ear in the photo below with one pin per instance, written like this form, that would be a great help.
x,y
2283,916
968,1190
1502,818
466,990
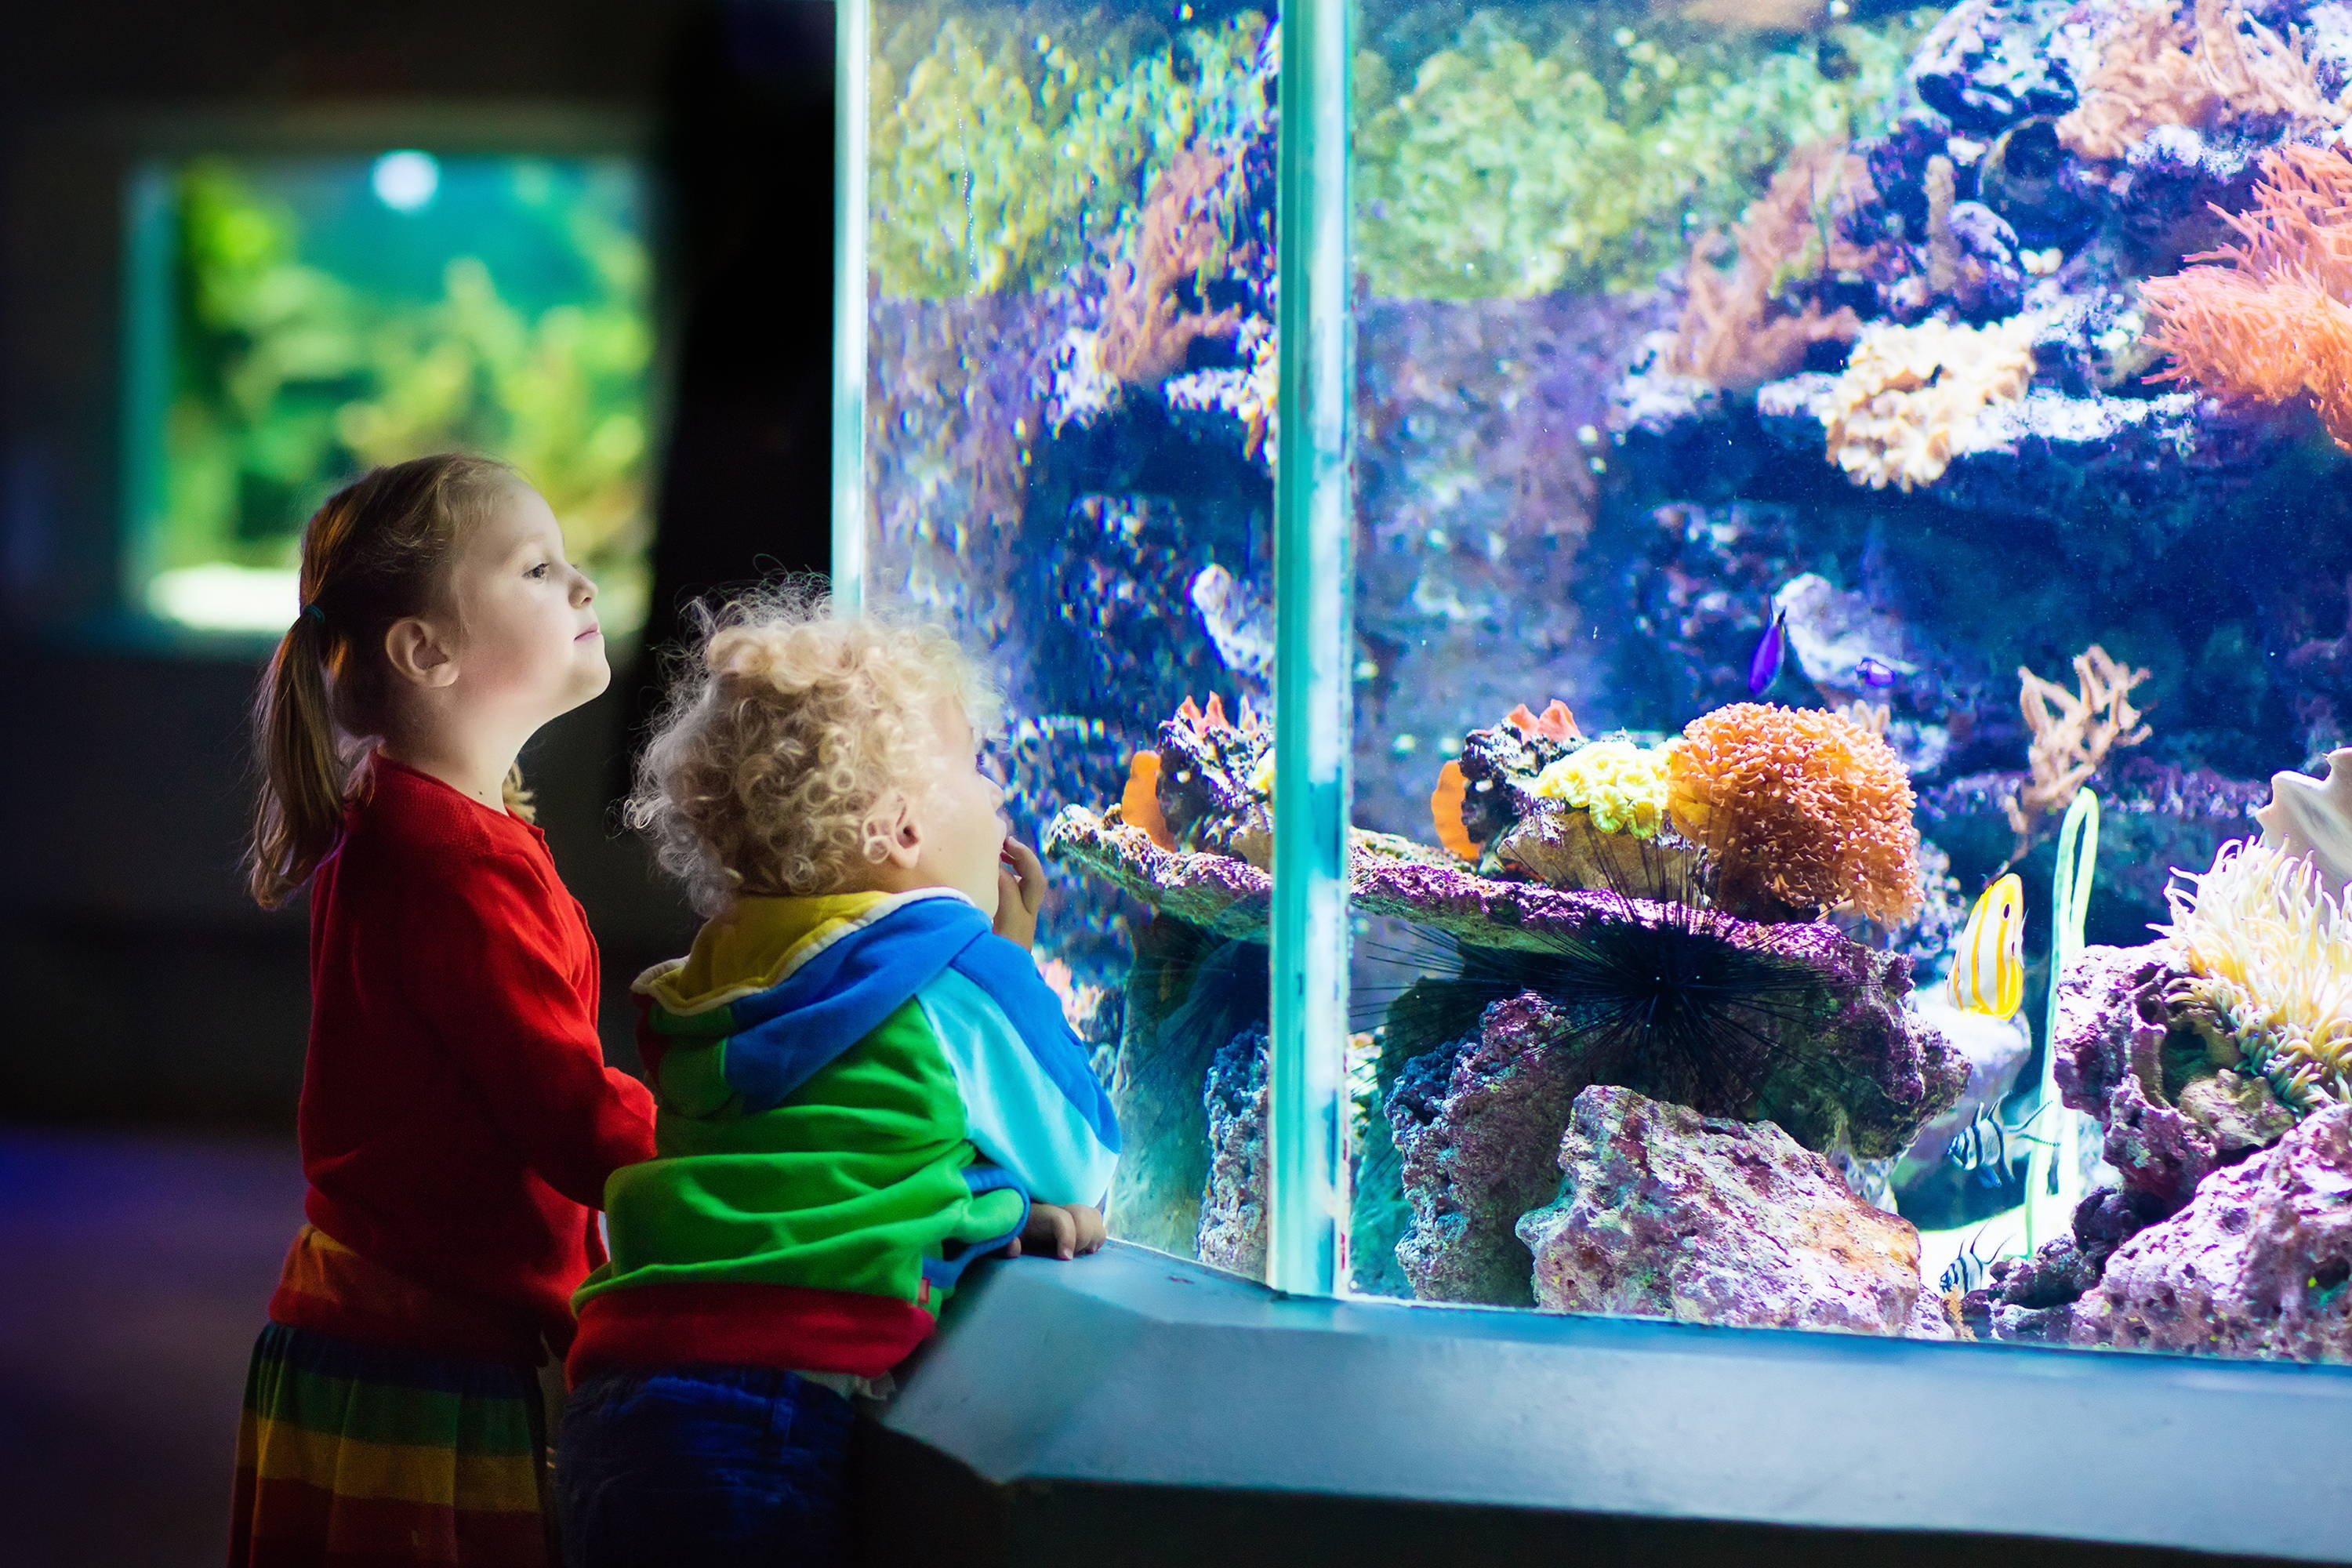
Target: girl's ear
x,y
904,846
418,654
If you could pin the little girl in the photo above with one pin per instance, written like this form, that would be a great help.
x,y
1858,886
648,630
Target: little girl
x,y
458,1121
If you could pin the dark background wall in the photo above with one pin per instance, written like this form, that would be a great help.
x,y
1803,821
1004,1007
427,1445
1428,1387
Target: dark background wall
x,y
141,985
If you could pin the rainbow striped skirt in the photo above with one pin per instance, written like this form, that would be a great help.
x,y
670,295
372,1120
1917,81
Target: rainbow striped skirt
x,y
349,1455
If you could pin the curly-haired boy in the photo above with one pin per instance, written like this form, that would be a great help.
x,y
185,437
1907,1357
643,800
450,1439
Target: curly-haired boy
x,y
861,1085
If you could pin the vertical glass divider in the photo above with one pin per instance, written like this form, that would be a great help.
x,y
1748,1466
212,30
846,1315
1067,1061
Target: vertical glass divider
x,y
1314,671
851,24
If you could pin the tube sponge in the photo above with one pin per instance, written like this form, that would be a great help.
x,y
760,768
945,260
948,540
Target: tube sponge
x,y
1800,806
1617,785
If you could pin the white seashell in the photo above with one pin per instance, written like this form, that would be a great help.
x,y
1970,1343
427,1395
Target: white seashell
x,y
2313,816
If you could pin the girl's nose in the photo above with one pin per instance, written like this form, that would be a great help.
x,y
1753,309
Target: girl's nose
x,y
583,587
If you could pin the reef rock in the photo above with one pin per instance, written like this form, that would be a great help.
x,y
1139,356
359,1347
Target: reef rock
x,y
2172,1117
2259,1264
1232,1207
1477,1125
1665,1213
1850,1066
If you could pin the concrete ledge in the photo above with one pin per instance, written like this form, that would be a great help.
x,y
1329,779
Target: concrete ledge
x,y
1132,1408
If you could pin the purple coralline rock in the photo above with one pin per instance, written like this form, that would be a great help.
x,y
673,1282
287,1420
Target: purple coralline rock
x,y
2259,1264
1477,1125
1233,1206
1663,1211
1988,64
2172,1118
1849,1068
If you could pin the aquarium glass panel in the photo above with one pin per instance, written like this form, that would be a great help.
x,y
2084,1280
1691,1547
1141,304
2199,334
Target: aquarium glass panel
x,y
293,320
1069,442
1849,526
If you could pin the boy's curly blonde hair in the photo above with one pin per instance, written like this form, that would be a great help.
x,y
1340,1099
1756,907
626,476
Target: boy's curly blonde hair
x,y
789,741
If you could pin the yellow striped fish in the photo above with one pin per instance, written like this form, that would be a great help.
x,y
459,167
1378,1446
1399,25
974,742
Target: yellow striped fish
x,y
1988,964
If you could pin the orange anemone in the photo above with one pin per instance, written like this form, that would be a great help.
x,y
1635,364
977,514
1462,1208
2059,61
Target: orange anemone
x,y
1139,806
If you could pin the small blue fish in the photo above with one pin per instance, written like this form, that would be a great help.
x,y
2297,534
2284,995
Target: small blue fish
x,y
1765,667
1875,675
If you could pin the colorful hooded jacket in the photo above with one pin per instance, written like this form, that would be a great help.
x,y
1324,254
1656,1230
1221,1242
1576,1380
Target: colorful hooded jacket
x,y
856,1096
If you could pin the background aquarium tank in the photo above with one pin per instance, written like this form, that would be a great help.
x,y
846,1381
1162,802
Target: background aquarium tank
x,y
295,320
1848,520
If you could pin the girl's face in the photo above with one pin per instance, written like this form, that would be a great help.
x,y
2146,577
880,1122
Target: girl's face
x,y
530,647
962,821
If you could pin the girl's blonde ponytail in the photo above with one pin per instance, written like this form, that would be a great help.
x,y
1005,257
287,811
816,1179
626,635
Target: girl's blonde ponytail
x,y
300,808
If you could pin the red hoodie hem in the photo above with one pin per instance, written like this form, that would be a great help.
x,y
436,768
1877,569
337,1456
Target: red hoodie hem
x,y
794,1328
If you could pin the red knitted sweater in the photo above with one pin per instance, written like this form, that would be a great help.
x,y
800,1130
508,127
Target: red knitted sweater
x,y
457,1119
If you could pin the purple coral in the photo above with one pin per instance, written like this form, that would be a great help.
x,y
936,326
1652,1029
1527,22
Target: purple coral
x,y
2259,1264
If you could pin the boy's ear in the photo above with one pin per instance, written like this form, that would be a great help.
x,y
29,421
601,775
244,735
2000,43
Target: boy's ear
x,y
905,845
418,654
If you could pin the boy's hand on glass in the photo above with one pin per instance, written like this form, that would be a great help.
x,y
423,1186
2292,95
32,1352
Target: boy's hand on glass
x,y
1060,1231
1020,892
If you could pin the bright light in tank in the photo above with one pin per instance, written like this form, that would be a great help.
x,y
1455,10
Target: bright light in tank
x,y
224,598
405,181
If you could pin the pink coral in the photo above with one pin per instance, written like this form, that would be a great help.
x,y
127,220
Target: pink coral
x,y
1735,330
1183,237
2271,323
2215,64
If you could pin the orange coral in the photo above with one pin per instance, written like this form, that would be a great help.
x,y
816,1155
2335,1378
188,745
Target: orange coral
x,y
2272,324
2214,65
1138,804
1734,331
1554,723
1445,811
2073,733
1182,236
1797,806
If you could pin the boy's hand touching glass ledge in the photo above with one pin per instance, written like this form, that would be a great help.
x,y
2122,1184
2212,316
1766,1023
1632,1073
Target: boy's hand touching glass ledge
x,y
1064,1232
1019,892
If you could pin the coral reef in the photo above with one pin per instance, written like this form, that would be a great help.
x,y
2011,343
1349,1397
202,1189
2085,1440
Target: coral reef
x,y
1621,787
993,148
2274,324
1665,1213
2172,1115
2215,64
1909,396
2312,819
1208,786
2073,733
1799,809
1191,996
2268,952
1233,1206
1476,1123
1179,245
1731,332
2256,1265
1616,140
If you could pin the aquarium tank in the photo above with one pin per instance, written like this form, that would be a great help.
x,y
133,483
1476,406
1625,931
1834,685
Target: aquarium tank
x,y
1846,814
295,320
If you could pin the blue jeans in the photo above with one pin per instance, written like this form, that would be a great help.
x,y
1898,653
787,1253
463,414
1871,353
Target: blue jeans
x,y
711,1467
